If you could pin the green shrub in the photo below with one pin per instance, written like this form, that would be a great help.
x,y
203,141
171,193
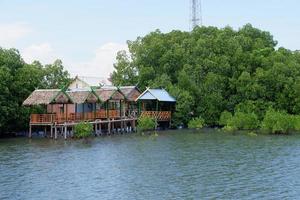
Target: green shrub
x,y
230,128
146,123
278,122
196,123
296,122
243,121
83,130
225,118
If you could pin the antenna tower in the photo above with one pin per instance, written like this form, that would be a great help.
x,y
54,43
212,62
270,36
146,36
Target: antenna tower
x,y
196,13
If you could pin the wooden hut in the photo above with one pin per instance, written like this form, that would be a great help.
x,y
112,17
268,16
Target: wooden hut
x,y
156,103
131,93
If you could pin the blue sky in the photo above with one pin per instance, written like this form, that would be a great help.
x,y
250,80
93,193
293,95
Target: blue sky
x,y
87,34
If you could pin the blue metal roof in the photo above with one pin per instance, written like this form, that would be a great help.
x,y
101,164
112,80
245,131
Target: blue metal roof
x,y
156,94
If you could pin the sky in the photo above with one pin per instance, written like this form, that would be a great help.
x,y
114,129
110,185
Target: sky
x,y
87,34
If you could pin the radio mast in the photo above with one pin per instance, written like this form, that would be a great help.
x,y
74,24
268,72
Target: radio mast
x,y
196,13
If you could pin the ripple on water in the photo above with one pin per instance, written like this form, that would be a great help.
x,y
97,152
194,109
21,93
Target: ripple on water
x,y
174,165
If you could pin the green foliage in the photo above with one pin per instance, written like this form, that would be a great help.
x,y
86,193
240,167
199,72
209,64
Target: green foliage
x,y
196,123
243,121
83,130
210,70
145,123
278,122
296,122
225,118
17,80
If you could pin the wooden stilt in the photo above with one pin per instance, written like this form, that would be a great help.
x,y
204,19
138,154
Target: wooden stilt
x,y
51,131
122,122
30,133
72,131
45,131
113,126
100,132
133,125
109,126
55,132
65,131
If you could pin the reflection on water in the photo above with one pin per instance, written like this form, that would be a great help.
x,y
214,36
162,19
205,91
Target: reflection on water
x,y
173,165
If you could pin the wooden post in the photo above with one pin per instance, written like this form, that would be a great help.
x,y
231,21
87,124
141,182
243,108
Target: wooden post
x,y
100,128
133,125
51,131
67,112
113,126
95,107
65,131
121,116
45,131
121,125
72,131
55,132
107,109
139,108
109,126
30,133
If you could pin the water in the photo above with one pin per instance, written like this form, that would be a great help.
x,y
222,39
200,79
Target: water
x,y
174,165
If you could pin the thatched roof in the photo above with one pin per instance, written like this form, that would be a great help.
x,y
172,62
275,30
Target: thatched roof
x,y
109,93
82,96
41,97
62,98
131,92
49,96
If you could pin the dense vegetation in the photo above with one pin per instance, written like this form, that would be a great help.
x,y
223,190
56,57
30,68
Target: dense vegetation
x,y
211,70
196,123
83,130
146,123
17,80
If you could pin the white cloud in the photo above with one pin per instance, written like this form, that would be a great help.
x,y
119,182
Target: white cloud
x,y
42,52
101,65
11,33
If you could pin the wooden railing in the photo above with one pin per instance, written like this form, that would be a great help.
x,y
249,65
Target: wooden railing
x,y
73,117
91,116
42,118
159,115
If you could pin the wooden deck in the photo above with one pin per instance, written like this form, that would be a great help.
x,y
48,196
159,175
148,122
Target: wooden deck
x,y
73,117
92,116
108,121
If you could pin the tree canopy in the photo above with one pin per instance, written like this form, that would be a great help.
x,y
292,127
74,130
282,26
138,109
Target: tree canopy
x,y
17,80
211,70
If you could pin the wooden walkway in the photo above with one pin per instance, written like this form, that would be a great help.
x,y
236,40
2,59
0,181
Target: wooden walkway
x,y
100,127
108,122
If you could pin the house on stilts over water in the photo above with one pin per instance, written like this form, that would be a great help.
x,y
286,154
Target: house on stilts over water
x,y
109,109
